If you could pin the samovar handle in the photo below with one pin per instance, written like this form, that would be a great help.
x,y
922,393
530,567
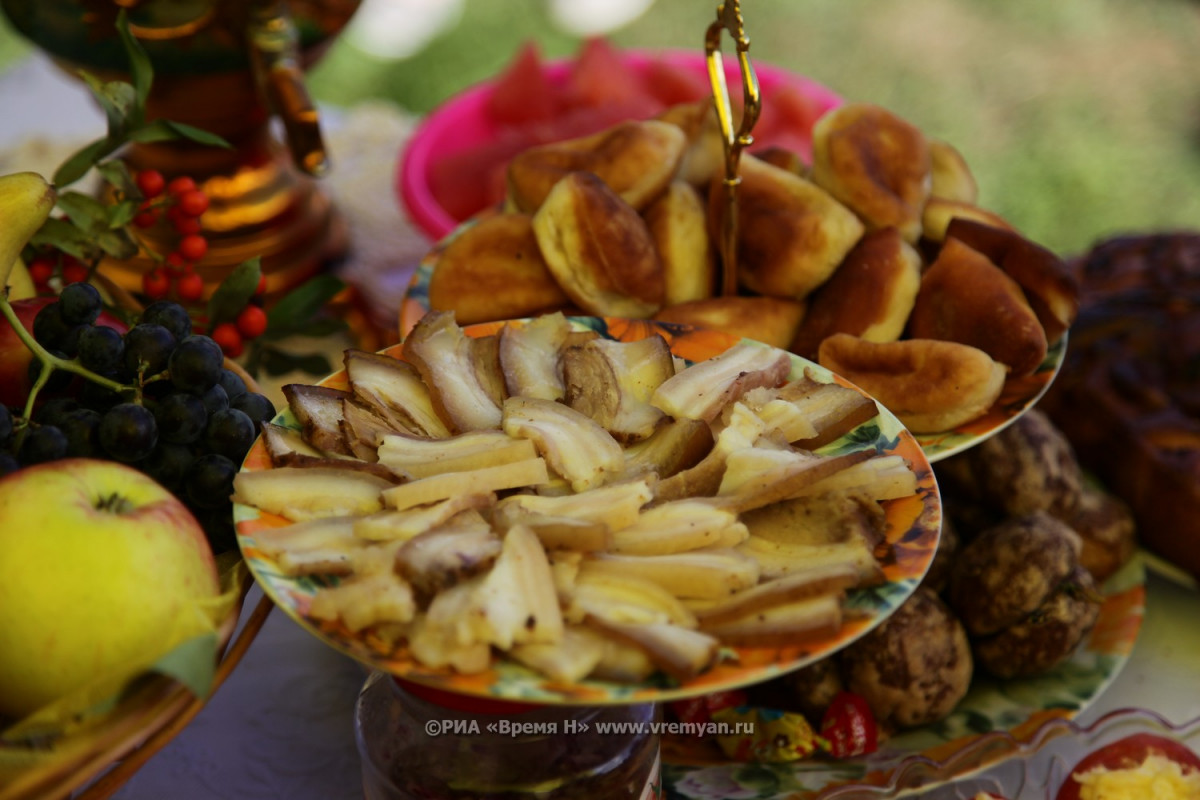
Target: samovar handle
x,y
274,57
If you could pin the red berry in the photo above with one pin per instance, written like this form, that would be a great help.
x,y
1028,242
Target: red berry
x,y
189,286
226,335
73,272
186,226
41,269
150,182
193,203
252,322
156,284
145,219
175,260
180,185
262,285
193,247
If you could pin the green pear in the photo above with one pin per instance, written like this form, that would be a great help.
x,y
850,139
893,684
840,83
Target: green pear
x,y
26,200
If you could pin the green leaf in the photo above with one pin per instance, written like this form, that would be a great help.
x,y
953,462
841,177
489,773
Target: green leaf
x,y
157,131
278,362
322,326
198,135
193,663
117,243
296,307
120,214
234,292
117,98
140,67
88,213
81,161
116,173
65,236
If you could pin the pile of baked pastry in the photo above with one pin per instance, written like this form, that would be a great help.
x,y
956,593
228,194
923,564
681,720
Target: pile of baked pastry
x,y
875,261
1012,590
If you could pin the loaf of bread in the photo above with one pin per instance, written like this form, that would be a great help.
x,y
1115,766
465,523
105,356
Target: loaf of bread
x,y
1128,395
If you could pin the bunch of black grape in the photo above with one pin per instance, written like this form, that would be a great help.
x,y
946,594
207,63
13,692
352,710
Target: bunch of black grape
x,y
184,419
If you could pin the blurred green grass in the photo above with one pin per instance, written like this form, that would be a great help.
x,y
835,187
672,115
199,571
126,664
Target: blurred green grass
x,y
1080,118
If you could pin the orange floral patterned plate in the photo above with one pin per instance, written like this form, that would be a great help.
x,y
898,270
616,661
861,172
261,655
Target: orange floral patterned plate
x,y
913,525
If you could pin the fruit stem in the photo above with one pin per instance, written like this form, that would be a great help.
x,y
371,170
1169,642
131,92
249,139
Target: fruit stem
x,y
49,359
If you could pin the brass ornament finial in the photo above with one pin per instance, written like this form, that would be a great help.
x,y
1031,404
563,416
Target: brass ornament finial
x,y
729,18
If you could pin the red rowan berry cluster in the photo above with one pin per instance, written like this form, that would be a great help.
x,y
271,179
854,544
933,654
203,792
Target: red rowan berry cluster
x,y
49,263
182,203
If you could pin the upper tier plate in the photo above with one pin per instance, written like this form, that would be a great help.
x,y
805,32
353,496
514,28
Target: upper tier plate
x,y
1019,395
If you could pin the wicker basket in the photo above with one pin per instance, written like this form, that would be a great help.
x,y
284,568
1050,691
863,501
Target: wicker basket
x,y
94,763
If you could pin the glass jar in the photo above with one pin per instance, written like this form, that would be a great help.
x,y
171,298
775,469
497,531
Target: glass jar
x,y
418,743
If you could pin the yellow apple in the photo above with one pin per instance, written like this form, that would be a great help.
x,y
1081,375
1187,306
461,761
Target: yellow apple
x,y
100,567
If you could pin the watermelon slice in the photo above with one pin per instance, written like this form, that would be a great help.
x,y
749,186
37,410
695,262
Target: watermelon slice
x,y
600,77
522,93
672,84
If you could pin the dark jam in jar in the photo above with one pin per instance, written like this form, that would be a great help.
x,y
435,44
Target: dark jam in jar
x,y
421,744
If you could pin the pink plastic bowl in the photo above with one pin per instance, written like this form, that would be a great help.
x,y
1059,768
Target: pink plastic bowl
x,y
462,123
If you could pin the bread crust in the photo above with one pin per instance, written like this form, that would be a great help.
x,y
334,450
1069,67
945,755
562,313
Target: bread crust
x,y
1050,286
494,270
599,249
637,160
931,386
951,178
677,222
766,319
876,163
870,295
966,298
791,233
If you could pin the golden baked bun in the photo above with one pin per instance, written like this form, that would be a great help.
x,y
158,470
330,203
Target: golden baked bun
x,y
704,155
1050,286
678,223
636,159
951,177
599,249
966,298
931,386
791,233
494,270
876,163
765,319
784,158
870,295
939,212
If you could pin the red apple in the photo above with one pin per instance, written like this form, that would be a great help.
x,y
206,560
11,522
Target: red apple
x,y
105,572
1130,753
15,356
